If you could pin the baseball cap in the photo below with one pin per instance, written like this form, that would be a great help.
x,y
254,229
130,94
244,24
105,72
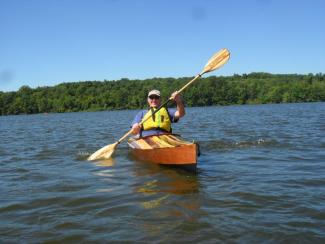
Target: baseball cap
x,y
154,92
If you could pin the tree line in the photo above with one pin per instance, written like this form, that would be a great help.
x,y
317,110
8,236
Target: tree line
x,y
253,88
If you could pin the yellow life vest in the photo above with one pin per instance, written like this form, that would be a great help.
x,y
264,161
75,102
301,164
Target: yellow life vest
x,y
159,120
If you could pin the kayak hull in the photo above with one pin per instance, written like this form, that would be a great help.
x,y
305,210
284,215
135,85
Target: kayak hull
x,y
166,149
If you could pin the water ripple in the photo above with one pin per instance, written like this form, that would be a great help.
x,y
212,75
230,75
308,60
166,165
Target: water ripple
x,y
260,179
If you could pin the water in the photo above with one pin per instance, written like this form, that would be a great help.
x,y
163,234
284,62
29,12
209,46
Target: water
x,y
261,177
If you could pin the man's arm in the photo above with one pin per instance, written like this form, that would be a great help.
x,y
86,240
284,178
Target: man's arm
x,y
135,123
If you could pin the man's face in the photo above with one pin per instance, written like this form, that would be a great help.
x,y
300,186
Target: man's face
x,y
154,101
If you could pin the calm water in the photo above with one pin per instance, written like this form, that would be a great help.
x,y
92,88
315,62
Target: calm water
x,y
261,177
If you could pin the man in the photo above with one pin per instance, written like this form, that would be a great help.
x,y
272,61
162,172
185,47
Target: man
x,y
160,122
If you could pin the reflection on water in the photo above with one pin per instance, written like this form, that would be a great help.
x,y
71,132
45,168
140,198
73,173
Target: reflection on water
x,y
170,180
168,191
105,162
168,197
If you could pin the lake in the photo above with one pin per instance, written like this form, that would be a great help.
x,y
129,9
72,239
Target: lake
x,y
260,178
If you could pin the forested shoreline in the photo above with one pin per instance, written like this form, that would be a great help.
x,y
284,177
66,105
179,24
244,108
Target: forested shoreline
x,y
253,88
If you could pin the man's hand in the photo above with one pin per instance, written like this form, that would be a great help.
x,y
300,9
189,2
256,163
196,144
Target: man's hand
x,y
176,97
136,128
180,112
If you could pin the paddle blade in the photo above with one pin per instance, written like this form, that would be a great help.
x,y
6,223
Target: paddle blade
x,y
105,152
216,61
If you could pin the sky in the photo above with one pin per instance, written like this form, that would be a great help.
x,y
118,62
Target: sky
x,y
47,42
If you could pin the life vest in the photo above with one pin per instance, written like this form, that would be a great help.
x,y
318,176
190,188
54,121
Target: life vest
x,y
159,120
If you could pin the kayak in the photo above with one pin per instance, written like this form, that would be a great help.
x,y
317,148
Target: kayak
x,y
166,149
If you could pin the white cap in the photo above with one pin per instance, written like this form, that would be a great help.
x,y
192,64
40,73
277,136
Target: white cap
x,y
154,92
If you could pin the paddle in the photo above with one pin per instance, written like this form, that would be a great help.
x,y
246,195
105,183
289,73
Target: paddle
x,y
215,62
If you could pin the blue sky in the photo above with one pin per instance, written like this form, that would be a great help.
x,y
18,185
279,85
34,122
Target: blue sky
x,y
47,42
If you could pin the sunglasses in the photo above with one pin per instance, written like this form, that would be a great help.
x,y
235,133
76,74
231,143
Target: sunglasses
x,y
154,97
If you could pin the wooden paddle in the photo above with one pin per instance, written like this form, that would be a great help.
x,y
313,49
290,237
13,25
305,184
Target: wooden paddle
x,y
215,62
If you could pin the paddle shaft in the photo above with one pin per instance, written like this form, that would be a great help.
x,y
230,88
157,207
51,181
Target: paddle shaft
x,y
171,98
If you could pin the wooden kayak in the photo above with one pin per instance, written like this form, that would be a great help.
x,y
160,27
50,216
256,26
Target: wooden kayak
x,y
167,149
